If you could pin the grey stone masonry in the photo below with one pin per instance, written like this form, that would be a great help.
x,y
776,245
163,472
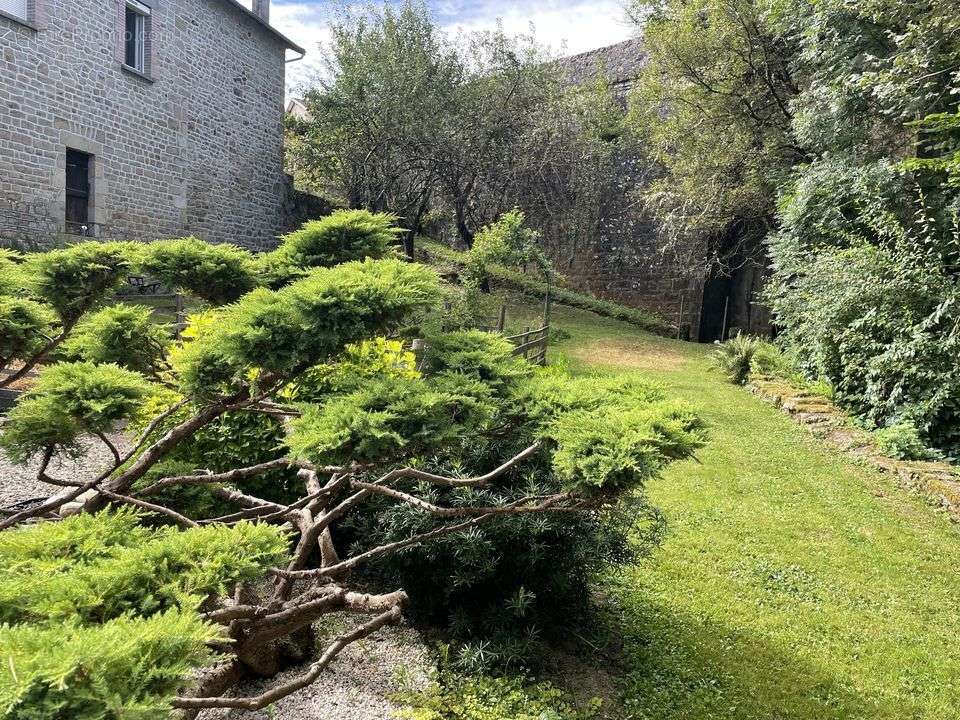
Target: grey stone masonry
x,y
191,145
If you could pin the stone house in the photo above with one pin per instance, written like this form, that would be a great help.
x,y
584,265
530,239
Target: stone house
x,y
141,119
624,258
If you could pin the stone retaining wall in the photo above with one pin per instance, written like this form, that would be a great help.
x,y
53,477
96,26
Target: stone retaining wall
x,y
937,480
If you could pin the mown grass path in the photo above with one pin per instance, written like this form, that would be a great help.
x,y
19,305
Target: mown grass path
x,y
791,583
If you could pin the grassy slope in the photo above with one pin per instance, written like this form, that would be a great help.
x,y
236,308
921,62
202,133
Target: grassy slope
x,y
791,583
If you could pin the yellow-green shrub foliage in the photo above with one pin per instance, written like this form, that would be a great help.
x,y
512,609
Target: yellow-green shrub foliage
x,y
99,613
360,363
303,324
394,418
25,326
74,279
70,399
505,581
340,237
126,668
619,448
505,242
216,273
125,335
13,279
92,568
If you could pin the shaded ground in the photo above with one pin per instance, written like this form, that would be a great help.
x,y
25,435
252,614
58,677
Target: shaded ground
x,y
793,583
357,686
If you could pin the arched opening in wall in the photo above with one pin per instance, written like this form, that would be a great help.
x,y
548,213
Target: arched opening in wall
x,y
731,304
716,295
731,294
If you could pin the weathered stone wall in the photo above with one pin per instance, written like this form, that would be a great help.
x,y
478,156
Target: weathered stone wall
x,y
620,257
195,148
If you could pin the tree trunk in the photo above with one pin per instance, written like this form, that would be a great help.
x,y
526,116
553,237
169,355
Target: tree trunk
x,y
463,229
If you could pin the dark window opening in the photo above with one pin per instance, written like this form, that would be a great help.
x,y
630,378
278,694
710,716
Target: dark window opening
x,y
135,33
78,191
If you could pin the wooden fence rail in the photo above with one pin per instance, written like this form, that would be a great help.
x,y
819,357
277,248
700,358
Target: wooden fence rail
x,y
532,344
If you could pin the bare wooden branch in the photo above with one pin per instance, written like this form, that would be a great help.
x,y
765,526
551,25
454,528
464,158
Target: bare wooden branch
x,y
112,448
245,500
38,357
459,482
436,509
181,520
546,505
42,475
281,691
205,477
226,615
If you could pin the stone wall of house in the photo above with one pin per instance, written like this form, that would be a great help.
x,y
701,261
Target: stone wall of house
x,y
194,147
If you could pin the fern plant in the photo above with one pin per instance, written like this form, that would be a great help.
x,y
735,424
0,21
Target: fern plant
x,y
734,357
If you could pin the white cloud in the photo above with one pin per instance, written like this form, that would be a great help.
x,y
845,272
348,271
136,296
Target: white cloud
x,y
566,26
307,25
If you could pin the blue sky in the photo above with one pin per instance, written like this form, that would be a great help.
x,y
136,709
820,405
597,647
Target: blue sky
x,y
567,26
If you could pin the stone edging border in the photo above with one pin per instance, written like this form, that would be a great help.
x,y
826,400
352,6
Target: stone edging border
x,y
937,480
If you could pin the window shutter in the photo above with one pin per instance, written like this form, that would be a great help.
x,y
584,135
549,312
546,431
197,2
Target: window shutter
x,y
17,8
121,46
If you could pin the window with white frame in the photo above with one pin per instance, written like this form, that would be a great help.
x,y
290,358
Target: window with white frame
x,y
17,8
136,36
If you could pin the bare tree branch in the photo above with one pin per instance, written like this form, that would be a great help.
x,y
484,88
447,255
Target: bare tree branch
x,y
335,648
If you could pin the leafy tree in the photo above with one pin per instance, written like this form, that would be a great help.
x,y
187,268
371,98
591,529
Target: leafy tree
x,y
462,130
505,242
494,127
368,136
866,255
713,106
845,113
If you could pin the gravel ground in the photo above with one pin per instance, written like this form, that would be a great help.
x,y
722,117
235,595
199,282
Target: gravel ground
x,y
356,686
19,482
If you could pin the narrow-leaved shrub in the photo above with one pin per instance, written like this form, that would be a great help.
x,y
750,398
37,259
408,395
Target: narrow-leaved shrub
x,y
25,326
216,273
124,335
128,667
340,237
68,400
100,567
75,279
734,358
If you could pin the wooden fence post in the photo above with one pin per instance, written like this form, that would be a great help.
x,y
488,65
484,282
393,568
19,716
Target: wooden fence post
x,y
723,327
181,320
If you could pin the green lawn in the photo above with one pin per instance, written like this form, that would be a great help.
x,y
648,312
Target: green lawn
x,y
791,583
